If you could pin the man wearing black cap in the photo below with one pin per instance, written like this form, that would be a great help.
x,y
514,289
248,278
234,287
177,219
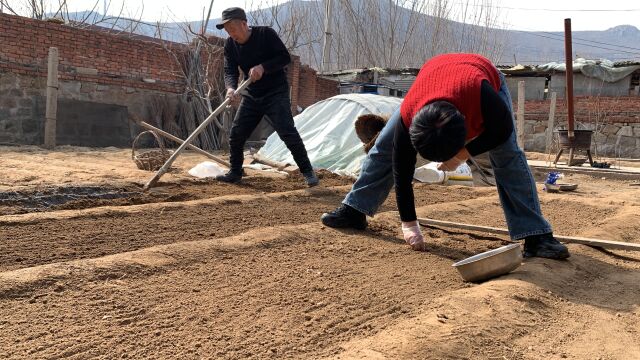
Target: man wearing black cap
x,y
261,55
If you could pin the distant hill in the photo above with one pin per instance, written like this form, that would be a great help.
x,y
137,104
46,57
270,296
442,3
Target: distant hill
x,y
301,25
617,44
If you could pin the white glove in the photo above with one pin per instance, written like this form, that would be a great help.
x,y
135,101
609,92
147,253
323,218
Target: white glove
x,y
413,236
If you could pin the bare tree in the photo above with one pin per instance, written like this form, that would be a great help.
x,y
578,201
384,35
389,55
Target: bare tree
x,y
200,65
383,33
123,22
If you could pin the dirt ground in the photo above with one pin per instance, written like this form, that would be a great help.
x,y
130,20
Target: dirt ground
x,y
92,267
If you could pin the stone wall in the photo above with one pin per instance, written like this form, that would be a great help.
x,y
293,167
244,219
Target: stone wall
x,y
22,106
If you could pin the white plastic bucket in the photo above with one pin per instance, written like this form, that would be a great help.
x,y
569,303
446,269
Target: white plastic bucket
x,y
429,173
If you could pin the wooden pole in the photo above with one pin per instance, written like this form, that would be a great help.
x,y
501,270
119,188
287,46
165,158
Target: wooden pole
x,y
52,100
607,244
520,117
180,141
227,121
275,164
568,56
551,123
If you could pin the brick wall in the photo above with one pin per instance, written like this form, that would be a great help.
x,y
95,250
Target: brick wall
x,y
86,55
293,74
615,121
313,88
102,67
326,88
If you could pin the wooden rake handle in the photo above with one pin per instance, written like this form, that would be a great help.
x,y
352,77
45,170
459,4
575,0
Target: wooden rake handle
x,y
193,135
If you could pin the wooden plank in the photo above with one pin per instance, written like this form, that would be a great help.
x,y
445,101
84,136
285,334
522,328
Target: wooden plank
x,y
180,141
606,244
551,123
520,115
52,100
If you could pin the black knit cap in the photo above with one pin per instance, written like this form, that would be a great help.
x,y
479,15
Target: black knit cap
x,y
233,13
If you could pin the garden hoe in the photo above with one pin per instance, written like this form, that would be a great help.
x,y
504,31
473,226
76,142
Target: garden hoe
x,y
188,141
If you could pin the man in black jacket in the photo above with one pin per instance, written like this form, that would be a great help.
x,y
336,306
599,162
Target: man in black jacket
x,y
261,55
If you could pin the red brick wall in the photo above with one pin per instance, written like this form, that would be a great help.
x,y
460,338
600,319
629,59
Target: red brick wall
x,y
24,48
313,88
307,91
326,88
588,110
25,42
293,75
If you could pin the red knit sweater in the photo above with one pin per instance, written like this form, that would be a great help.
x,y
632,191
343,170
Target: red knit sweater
x,y
455,78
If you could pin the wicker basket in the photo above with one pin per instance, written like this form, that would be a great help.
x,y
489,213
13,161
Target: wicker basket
x,y
150,160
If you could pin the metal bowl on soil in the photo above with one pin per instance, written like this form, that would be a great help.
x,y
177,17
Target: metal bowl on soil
x,y
490,263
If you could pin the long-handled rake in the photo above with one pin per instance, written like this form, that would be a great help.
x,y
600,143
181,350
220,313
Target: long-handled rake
x,y
188,141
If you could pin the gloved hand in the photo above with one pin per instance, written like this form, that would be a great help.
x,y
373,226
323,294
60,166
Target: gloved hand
x,y
453,163
413,235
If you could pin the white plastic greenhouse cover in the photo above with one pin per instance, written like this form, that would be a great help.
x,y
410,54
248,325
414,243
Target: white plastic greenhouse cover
x,y
328,132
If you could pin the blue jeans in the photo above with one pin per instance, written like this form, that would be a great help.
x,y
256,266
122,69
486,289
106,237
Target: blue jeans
x,y
516,187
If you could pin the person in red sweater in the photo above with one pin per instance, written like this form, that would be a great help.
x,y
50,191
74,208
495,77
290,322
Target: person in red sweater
x,y
458,107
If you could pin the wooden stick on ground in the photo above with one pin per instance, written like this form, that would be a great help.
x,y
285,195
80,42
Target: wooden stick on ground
x,y
275,164
606,244
180,141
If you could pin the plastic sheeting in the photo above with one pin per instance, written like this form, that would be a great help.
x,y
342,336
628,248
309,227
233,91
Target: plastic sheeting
x,y
328,132
602,70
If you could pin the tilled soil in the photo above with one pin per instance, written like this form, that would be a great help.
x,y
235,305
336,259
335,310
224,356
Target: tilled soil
x,y
247,271
30,241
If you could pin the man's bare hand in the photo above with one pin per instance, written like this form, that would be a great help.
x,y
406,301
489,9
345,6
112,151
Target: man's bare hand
x,y
231,94
256,72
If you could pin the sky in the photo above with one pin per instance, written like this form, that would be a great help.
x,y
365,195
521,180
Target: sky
x,y
539,15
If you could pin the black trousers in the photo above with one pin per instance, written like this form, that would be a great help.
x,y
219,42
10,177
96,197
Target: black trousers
x,y
276,109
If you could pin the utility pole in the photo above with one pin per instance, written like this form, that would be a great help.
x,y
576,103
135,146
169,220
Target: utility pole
x,y
568,57
326,39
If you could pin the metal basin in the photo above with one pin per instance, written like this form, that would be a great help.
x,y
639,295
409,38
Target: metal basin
x,y
490,264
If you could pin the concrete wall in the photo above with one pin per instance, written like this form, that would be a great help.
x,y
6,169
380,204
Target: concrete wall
x,y
534,87
586,86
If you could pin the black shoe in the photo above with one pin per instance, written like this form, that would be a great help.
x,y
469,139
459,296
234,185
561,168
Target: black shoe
x,y
345,217
545,246
311,179
230,177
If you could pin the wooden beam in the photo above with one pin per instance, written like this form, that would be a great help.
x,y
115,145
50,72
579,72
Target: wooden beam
x,y
52,100
551,123
520,115
606,244
180,141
